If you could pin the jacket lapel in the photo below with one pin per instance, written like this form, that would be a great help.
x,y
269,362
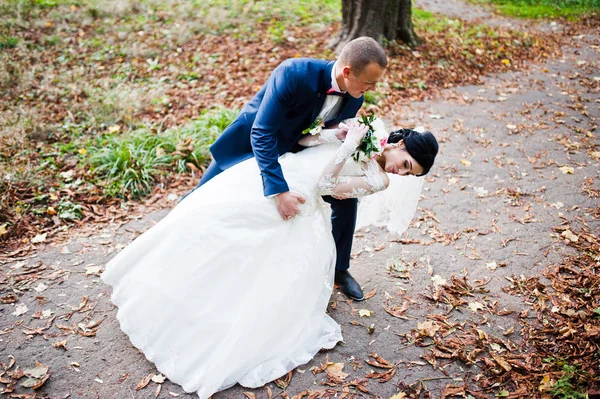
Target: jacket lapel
x,y
320,99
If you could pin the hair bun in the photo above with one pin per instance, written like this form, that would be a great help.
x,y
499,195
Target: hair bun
x,y
423,147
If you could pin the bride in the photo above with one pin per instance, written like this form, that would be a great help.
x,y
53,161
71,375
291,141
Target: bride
x,y
223,291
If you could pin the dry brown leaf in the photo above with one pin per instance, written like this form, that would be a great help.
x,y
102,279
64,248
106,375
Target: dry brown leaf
x,y
144,382
370,294
503,363
335,374
397,311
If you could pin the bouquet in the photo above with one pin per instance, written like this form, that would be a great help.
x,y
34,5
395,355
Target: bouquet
x,y
374,141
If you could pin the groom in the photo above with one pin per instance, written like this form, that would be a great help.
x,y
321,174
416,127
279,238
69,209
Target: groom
x,y
297,93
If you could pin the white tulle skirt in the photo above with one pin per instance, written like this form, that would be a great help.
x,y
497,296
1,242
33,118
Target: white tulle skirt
x,y
222,291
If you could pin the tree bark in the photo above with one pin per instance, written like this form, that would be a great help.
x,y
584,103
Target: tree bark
x,y
383,20
404,27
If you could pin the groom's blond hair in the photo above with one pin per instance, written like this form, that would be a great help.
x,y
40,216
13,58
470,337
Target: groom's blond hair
x,y
360,52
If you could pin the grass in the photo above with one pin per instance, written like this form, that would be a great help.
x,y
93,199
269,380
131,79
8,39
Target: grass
x,y
566,386
129,165
534,9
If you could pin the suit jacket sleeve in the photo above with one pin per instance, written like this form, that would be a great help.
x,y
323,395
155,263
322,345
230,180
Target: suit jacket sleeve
x,y
278,98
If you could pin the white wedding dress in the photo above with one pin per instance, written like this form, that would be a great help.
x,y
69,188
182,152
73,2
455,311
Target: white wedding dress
x,y
222,290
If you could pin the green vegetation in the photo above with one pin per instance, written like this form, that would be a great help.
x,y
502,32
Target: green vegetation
x,y
371,97
566,387
571,9
214,16
129,165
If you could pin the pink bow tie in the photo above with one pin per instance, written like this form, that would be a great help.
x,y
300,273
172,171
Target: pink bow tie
x,y
332,92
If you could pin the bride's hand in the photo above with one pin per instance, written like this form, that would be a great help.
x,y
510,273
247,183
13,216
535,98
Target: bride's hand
x,y
356,131
341,131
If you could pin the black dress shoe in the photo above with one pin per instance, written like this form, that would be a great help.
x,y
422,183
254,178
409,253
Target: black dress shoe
x,y
348,285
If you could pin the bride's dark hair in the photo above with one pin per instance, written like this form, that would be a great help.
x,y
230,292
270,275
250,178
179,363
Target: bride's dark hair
x,y
423,147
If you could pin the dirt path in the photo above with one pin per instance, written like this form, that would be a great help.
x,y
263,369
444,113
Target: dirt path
x,y
515,155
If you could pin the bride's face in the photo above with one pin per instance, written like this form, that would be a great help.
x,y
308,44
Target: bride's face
x,y
398,161
357,85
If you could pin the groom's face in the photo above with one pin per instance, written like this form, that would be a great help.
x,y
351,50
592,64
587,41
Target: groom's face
x,y
357,85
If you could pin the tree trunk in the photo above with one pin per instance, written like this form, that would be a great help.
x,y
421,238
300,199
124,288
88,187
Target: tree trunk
x,y
404,27
383,20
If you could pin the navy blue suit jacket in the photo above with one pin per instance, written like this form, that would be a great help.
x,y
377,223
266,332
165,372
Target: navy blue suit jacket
x,y
271,123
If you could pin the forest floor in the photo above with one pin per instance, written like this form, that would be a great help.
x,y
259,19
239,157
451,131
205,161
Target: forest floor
x,y
492,292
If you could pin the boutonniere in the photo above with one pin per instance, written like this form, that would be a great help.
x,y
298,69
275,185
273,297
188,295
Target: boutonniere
x,y
315,128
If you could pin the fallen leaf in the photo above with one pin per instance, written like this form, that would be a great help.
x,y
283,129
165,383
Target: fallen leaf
x,y
428,328
335,373
96,270
61,344
400,395
546,383
475,306
39,238
159,378
21,309
379,362
567,169
365,313
371,294
284,382
438,280
39,371
143,382
36,376
492,265
568,234
40,287
34,383
480,191
397,311
9,298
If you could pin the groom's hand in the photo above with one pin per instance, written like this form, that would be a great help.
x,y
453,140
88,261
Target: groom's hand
x,y
287,204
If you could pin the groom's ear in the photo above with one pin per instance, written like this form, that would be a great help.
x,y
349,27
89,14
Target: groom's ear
x,y
346,70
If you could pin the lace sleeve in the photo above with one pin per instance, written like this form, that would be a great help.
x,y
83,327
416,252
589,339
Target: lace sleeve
x,y
343,187
325,136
